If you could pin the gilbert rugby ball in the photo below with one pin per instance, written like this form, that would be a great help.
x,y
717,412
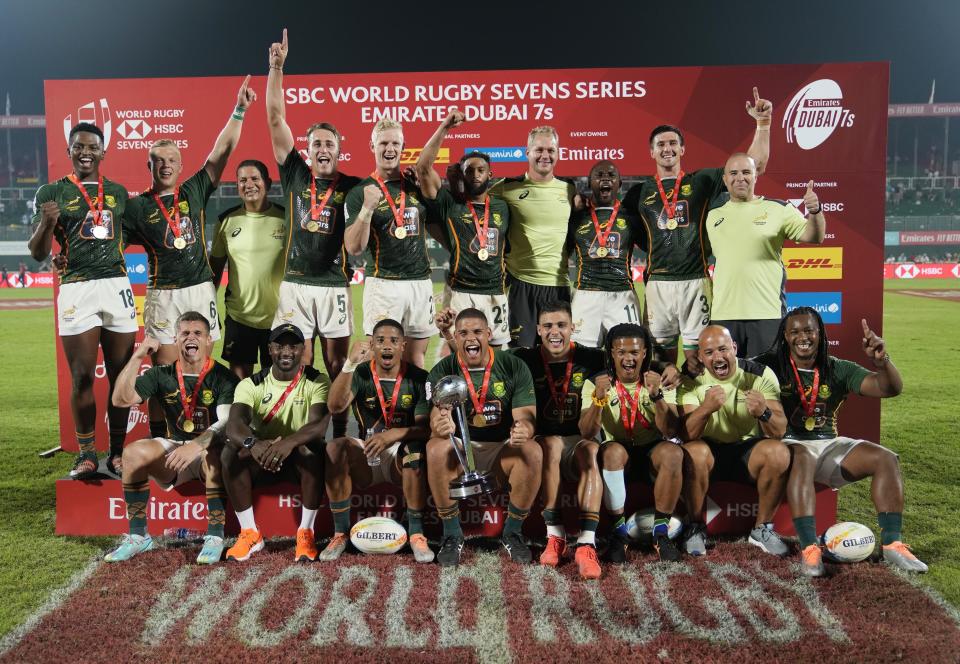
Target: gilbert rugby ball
x,y
378,534
640,526
849,542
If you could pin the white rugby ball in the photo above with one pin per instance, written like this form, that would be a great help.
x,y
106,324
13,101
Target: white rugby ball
x,y
849,542
378,534
640,526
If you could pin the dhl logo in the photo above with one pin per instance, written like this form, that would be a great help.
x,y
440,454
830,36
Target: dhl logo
x,y
410,156
813,263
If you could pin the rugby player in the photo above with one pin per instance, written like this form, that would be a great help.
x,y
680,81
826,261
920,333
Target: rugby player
x,y
540,206
95,305
315,292
277,422
196,394
386,214
813,386
747,235
732,420
502,422
385,392
475,230
639,421
168,220
673,205
251,237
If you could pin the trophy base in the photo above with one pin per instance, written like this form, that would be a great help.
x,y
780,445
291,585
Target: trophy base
x,y
472,484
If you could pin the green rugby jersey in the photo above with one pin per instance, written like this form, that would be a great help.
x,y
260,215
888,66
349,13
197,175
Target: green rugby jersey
x,y
161,382
611,420
511,386
170,267
366,404
679,254
613,271
562,419
393,257
87,257
469,274
262,391
844,377
314,258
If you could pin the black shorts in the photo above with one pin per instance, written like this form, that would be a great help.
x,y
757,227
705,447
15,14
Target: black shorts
x,y
639,465
242,343
523,302
730,460
751,336
289,472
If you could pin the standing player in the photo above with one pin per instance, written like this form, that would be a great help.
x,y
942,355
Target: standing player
x,y
251,237
540,206
732,419
476,233
673,205
277,420
747,235
386,214
385,392
196,394
168,220
601,236
502,421
814,385
315,293
95,304
639,420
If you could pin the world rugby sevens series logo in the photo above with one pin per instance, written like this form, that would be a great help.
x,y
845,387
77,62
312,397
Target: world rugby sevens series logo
x,y
97,113
814,113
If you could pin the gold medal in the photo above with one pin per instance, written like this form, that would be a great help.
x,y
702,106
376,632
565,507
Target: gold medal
x,y
671,224
809,423
479,420
602,252
483,254
188,424
400,233
313,226
180,243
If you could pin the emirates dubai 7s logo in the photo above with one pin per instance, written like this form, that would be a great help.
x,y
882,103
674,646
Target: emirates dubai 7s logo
x,y
814,112
97,113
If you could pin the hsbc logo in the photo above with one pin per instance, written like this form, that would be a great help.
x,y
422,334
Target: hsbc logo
x,y
909,271
134,129
814,113
96,112
826,207
955,270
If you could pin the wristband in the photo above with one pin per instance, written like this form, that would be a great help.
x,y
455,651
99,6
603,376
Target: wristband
x,y
349,367
883,361
365,215
819,210
600,403
657,398
277,67
238,113
765,415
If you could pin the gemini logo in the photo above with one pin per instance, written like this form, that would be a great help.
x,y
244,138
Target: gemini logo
x,y
814,113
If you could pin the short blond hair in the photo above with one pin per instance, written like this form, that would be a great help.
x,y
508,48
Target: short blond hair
x,y
383,124
162,143
544,129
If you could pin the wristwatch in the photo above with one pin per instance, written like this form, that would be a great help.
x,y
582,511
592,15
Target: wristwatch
x,y
765,415
657,398
249,442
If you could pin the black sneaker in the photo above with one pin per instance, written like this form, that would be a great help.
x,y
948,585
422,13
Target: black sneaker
x,y
617,549
516,547
450,548
666,548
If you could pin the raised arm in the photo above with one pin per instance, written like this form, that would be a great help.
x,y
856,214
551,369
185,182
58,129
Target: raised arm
x,y
762,111
230,134
816,228
357,235
590,417
886,380
280,135
41,241
341,391
125,389
429,179
665,414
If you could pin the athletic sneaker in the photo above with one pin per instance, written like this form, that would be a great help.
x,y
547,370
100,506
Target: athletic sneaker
x,y
337,545
84,466
211,551
666,549
450,550
695,542
811,559
587,562
421,549
556,549
899,555
767,539
306,547
516,547
617,548
130,546
247,544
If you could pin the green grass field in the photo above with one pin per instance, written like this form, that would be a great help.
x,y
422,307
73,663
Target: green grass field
x,y
921,337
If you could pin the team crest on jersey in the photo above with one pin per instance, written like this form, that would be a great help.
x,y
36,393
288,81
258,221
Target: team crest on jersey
x,y
824,391
406,400
496,219
206,396
338,197
577,379
499,389
110,201
686,189
184,207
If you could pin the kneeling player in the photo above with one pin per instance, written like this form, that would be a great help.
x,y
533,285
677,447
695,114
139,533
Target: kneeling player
x,y
196,394
385,392
501,416
733,420
799,357
638,419
278,415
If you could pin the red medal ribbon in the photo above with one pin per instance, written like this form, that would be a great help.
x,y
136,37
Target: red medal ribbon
x,y
557,393
478,401
283,397
601,236
387,413
670,206
317,210
188,406
630,409
808,407
481,229
172,222
95,210
397,212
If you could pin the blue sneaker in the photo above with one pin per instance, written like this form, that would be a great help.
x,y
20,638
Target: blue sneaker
x,y
211,551
130,546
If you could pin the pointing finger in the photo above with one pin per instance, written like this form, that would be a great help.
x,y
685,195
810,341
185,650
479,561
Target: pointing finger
x,y
866,328
756,95
284,40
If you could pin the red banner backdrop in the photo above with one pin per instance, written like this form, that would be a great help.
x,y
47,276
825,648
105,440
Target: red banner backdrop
x,y
830,123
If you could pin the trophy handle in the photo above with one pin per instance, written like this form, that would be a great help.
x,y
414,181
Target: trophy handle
x,y
470,465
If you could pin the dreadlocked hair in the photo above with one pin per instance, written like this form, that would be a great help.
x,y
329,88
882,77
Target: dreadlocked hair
x,y
779,352
628,331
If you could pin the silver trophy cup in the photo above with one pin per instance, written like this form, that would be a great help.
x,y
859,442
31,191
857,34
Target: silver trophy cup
x,y
452,392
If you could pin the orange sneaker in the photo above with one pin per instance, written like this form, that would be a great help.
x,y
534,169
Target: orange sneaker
x,y
338,543
899,555
812,561
587,561
247,544
306,547
556,548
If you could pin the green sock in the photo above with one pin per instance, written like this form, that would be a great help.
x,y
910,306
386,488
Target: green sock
x,y
341,515
661,523
137,496
415,521
551,517
87,442
891,525
806,527
515,517
216,512
589,521
450,516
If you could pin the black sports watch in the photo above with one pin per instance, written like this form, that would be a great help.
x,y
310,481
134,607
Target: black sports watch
x,y
248,442
766,415
658,397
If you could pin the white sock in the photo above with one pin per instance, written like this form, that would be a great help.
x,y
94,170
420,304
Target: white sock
x,y
247,522
614,490
557,531
307,517
587,537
